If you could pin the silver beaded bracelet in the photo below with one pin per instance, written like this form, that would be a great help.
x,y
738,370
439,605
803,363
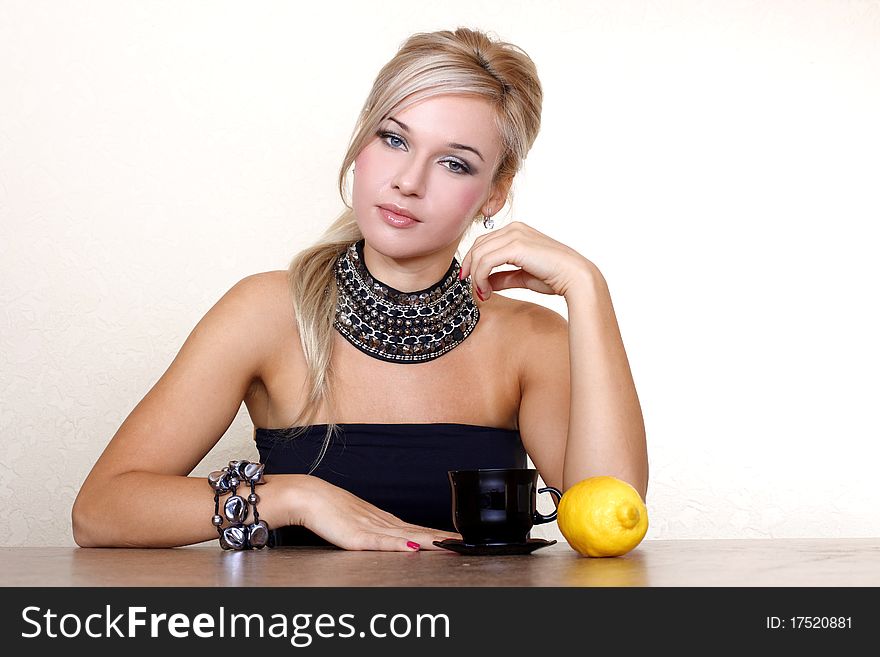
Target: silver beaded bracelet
x,y
238,536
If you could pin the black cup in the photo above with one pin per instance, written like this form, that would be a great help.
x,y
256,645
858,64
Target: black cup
x,y
497,505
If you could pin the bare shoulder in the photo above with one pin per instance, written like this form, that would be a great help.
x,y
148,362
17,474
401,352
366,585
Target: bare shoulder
x,y
537,335
264,302
530,321
266,286
268,294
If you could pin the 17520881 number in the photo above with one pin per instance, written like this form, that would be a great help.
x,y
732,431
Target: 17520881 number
x,y
821,622
809,623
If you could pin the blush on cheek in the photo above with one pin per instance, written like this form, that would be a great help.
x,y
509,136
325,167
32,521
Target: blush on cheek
x,y
369,157
364,182
469,203
372,171
362,161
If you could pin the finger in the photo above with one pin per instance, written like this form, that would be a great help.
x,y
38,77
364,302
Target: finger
x,y
415,535
426,536
386,543
467,261
489,257
431,530
518,278
482,244
445,537
504,280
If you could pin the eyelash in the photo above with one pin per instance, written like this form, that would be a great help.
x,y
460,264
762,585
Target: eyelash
x,y
465,169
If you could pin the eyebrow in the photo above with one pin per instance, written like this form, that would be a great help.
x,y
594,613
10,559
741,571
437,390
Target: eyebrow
x,y
459,147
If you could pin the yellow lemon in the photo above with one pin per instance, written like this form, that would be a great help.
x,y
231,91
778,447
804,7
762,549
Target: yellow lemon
x,y
602,517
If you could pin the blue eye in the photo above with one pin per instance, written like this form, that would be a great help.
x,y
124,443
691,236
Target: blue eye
x,y
396,141
461,166
387,137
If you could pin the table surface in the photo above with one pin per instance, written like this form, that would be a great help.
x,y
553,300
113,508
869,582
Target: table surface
x,y
726,562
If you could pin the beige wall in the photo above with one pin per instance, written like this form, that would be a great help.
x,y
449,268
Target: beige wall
x,y
717,161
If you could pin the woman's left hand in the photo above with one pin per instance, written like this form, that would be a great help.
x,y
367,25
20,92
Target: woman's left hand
x,y
546,266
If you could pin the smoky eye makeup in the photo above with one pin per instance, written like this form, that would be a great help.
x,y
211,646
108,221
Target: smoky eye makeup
x,y
455,165
387,136
460,166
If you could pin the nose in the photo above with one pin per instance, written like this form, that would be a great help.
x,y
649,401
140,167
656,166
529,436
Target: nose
x,y
410,178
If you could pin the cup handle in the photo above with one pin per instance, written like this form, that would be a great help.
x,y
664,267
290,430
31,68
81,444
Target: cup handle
x,y
539,518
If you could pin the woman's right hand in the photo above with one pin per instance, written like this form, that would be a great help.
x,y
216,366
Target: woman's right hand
x,y
349,522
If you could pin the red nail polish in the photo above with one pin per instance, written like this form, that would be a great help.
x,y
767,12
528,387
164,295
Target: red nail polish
x,y
412,545
460,272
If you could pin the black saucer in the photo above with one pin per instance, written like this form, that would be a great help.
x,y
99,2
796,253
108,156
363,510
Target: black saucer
x,y
481,549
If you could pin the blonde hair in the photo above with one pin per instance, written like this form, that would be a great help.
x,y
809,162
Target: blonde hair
x,y
463,61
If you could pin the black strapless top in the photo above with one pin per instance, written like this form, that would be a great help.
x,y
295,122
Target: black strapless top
x,y
400,468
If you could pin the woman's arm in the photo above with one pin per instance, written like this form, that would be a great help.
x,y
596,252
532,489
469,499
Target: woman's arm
x,y
138,493
146,509
606,431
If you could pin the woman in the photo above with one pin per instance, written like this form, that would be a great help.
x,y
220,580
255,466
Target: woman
x,y
377,362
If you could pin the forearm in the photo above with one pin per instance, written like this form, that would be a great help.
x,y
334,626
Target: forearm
x,y
145,509
606,431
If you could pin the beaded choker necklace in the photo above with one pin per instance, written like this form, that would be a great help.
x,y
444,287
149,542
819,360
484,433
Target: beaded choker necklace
x,y
401,327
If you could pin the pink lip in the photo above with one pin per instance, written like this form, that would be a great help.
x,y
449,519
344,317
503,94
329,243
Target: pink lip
x,y
402,212
396,220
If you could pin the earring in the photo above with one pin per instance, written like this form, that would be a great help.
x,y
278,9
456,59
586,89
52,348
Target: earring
x,y
488,222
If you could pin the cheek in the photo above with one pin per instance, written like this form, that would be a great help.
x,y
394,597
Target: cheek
x,y
363,176
362,161
370,170
468,203
373,159
362,165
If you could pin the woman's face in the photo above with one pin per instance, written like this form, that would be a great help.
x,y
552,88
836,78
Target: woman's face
x,y
434,160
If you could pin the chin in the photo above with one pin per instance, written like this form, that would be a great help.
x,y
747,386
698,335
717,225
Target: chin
x,y
381,236
400,249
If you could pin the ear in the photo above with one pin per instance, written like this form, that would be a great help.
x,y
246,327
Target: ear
x,y
498,197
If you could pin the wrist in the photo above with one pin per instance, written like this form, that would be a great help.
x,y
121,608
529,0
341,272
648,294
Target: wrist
x,y
586,284
284,499
239,526
297,496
